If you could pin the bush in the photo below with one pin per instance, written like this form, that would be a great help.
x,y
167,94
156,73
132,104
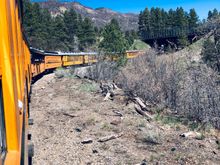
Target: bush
x,y
189,89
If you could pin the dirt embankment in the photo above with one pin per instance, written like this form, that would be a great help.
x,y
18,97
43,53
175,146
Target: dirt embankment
x,y
70,118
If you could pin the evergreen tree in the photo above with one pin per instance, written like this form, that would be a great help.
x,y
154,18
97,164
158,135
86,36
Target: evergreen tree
x,y
144,23
37,24
209,14
182,41
211,52
213,14
72,28
113,39
171,18
164,15
87,35
141,26
58,35
130,36
193,19
182,22
181,18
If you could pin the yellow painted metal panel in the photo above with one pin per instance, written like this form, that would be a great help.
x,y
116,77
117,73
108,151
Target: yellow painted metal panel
x,y
9,87
72,63
53,65
52,59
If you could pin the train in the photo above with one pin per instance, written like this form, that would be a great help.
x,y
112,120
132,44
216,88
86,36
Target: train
x,y
43,60
15,85
19,64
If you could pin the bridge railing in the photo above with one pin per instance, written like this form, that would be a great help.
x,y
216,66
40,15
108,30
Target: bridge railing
x,y
177,32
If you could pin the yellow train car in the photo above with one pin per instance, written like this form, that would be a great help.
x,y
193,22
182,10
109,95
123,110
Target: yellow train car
x,y
73,60
15,78
37,68
52,62
134,53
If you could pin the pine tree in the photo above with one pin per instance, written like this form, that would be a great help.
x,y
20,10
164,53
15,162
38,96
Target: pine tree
x,y
181,18
130,36
113,39
141,26
171,18
182,23
182,41
144,23
58,35
72,27
193,19
209,14
213,14
86,35
211,52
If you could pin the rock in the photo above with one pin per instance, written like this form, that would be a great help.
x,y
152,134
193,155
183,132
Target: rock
x,y
78,130
50,96
192,134
87,141
144,162
116,122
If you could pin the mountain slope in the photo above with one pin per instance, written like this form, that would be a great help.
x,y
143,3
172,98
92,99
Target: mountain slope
x,y
99,16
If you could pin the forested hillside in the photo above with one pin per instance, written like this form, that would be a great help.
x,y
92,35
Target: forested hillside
x,y
100,16
157,21
70,31
67,32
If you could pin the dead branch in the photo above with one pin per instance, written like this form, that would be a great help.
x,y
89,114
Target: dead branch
x,y
87,141
172,44
141,112
141,103
69,115
108,96
111,137
117,113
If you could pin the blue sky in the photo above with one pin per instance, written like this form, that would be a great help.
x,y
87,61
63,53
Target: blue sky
x,y
135,6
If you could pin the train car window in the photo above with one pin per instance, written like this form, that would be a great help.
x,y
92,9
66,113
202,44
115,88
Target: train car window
x,y
2,126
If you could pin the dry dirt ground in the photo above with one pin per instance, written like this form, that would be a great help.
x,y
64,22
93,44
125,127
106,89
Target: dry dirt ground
x,y
68,111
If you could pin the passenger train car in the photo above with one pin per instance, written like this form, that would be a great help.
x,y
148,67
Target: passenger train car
x,y
18,65
15,79
42,60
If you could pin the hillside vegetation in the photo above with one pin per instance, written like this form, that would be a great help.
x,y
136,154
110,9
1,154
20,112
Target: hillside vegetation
x,y
69,31
100,16
72,117
139,45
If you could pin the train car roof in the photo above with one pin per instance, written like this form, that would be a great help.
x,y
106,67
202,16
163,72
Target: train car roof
x,y
57,53
54,53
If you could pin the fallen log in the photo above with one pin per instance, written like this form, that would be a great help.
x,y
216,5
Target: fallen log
x,y
192,134
141,103
108,96
141,112
111,137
